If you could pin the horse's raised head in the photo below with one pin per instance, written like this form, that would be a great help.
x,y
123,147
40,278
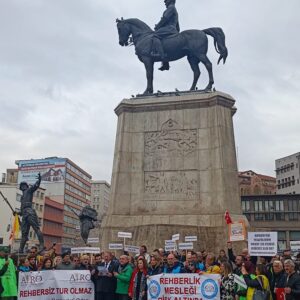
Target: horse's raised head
x,y
123,31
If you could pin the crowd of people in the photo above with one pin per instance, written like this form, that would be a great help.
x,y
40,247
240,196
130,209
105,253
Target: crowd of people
x,y
126,277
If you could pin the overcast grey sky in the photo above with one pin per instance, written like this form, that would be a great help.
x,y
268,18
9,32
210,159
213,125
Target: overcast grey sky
x,y
62,73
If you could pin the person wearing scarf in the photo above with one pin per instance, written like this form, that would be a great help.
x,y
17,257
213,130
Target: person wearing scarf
x,y
138,282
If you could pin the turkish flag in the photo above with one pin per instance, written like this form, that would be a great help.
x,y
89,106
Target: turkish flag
x,y
227,218
280,295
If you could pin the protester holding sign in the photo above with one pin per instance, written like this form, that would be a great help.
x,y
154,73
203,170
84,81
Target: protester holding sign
x,y
105,282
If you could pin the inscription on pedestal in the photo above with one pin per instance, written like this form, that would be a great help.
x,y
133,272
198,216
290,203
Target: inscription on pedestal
x,y
180,185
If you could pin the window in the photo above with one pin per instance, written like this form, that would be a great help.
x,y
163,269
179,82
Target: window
x,y
42,195
258,217
269,217
279,205
246,205
258,205
282,240
293,210
295,235
279,217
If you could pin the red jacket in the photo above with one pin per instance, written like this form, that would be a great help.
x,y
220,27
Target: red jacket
x,y
131,284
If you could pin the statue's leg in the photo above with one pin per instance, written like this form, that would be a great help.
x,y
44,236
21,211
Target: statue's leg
x,y
194,63
34,222
25,227
149,64
208,65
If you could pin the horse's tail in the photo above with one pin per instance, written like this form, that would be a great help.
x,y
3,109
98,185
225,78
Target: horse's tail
x,y
219,42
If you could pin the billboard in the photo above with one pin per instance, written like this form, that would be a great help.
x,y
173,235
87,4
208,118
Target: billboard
x,y
53,170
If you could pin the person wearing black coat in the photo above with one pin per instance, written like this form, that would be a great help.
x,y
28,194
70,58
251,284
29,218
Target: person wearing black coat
x,y
155,266
103,278
292,283
276,276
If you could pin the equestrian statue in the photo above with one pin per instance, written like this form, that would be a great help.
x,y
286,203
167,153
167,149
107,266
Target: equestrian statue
x,y
166,43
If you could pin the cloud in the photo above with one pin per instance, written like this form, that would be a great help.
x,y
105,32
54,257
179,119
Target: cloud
x,y
62,73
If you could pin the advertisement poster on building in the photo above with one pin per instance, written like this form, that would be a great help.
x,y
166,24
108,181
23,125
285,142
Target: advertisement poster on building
x,y
237,231
53,170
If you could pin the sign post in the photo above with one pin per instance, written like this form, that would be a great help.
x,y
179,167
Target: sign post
x,y
125,235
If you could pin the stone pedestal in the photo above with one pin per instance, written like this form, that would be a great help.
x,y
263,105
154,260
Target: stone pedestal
x,y
174,170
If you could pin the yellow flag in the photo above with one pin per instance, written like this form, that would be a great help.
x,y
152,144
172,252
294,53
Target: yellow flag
x,y
15,228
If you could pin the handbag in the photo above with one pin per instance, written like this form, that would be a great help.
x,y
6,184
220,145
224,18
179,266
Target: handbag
x,y
261,294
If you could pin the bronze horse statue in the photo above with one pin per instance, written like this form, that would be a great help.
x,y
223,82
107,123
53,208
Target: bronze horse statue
x,y
190,43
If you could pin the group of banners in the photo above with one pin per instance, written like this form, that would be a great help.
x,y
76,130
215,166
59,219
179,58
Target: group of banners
x,y
78,285
259,243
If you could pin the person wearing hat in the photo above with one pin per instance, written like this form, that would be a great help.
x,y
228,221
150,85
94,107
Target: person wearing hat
x,y
66,263
8,279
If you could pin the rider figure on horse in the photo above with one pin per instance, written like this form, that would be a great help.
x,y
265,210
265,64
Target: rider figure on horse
x,y
167,26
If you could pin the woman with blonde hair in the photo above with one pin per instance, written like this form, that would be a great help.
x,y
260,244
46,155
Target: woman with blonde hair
x,y
228,286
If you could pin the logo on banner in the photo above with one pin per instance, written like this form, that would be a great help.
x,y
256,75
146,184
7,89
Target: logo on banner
x,y
80,278
209,289
31,279
154,289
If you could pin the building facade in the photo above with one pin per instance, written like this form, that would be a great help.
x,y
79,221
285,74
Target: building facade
x,y
251,183
100,197
66,184
53,224
288,174
279,213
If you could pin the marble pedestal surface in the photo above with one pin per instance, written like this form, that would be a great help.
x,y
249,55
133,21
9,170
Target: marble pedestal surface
x,y
174,171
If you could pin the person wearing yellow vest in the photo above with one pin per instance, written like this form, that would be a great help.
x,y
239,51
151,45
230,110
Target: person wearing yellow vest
x,y
210,264
259,282
8,279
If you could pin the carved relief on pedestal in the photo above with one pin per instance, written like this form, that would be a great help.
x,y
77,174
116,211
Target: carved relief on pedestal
x,y
170,140
171,185
167,148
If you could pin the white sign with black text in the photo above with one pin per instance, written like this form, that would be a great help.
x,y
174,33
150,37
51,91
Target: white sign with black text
x,y
262,243
186,246
115,246
192,238
125,235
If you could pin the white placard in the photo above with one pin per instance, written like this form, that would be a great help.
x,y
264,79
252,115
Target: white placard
x,y
169,248
240,281
192,238
237,232
53,284
170,243
132,249
176,237
262,243
85,250
125,235
186,246
295,245
115,246
93,240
